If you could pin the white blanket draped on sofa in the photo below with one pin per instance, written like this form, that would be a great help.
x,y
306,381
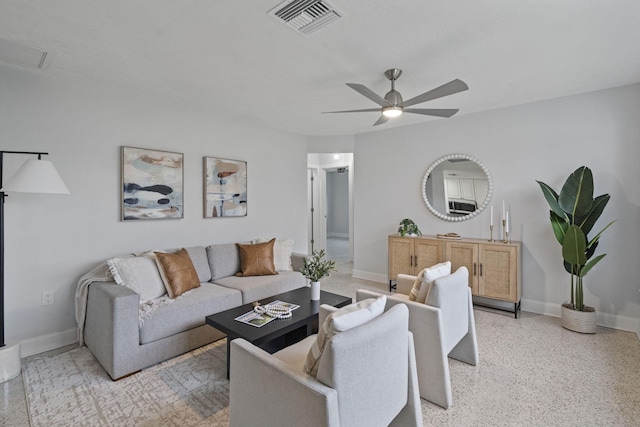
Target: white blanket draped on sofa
x,y
101,273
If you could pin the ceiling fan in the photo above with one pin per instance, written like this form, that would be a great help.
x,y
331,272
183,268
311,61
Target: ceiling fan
x,y
392,104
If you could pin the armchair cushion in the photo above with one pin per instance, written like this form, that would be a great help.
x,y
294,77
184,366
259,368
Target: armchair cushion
x,y
425,278
339,321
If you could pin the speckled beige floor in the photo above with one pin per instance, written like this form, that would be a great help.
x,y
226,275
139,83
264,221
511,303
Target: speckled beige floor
x,y
532,372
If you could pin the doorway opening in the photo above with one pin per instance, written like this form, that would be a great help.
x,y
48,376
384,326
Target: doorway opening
x,y
330,200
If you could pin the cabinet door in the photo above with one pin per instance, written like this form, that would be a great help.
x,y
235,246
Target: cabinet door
x,y
400,256
499,276
427,253
460,253
466,189
452,186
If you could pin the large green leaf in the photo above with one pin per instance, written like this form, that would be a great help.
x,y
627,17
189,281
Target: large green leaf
x,y
552,199
559,225
576,196
588,266
574,246
586,223
599,203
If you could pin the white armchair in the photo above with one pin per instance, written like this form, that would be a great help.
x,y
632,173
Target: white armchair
x,y
366,376
442,327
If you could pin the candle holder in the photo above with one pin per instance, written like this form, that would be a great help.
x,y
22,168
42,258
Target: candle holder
x,y
491,233
505,232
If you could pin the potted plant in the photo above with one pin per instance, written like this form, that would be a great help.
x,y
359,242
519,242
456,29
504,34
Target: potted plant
x,y
408,227
573,214
315,268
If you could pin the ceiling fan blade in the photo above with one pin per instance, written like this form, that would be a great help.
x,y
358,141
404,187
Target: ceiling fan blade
x,y
366,110
383,119
439,112
363,90
446,89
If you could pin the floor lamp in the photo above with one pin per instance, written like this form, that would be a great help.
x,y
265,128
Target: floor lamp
x,y
35,176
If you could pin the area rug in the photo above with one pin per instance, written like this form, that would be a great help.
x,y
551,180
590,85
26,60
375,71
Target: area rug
x,y
73,389
532,372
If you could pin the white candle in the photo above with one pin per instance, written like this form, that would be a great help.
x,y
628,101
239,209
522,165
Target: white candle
x,y
506,226
503,211
491,216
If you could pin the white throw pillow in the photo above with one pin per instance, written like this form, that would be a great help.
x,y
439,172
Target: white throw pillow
x,y
425,279
342,320
282,250
139,274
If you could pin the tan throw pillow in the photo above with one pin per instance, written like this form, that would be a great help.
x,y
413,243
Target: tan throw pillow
x,y
425,278
256,260
282,250
339,321
177,272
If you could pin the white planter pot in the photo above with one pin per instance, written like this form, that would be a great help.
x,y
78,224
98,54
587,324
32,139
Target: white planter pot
x,y
579,321
315,291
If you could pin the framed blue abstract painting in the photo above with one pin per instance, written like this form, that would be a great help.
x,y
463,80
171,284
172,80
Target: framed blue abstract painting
x,y
152,184
225,188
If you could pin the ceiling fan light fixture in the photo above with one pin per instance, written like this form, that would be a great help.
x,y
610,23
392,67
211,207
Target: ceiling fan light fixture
x,y
393,111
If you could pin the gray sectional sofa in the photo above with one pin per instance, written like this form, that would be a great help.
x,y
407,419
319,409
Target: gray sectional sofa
x,y
111,326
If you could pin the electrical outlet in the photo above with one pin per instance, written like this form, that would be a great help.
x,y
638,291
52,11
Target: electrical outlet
x,y
47,297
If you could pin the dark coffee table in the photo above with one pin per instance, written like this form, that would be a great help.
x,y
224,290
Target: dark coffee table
x,y
278,333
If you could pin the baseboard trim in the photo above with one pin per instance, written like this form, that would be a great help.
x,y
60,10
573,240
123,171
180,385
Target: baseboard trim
x,y
338,235
374,277
43,343
607,320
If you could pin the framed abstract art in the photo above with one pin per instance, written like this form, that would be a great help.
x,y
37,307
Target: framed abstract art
x,y
152,184
225,188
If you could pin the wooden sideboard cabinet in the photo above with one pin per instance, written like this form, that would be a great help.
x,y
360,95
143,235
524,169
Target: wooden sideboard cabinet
x,y
409,255
494,267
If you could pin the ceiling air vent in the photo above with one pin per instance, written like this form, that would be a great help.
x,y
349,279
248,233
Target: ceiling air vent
x,y
306,16
23,56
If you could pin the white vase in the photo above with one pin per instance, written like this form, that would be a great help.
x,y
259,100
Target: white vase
x,y
315,291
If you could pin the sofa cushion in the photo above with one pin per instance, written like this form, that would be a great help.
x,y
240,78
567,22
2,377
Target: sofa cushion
x,y
177,272
224,260
342,320
139,274
255,288
188,311
200,261
256,259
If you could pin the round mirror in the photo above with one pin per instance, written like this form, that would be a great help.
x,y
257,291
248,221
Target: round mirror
x,y
457,187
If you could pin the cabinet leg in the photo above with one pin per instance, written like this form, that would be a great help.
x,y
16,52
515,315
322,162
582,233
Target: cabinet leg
x,y
392,285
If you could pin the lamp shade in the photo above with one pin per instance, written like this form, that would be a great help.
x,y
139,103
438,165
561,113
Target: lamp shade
x,y
36,176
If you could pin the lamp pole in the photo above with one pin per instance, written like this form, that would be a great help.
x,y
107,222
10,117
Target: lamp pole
x,y
2,197
34,176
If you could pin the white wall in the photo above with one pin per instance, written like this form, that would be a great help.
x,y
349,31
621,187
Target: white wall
x,y
541,141
52,240
338,204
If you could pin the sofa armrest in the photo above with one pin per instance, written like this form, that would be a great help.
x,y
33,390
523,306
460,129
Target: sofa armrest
x,y
297,260
264,390
404,283
111,327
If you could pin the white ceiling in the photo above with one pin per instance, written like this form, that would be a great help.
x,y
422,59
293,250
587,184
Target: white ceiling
x,y
230,56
